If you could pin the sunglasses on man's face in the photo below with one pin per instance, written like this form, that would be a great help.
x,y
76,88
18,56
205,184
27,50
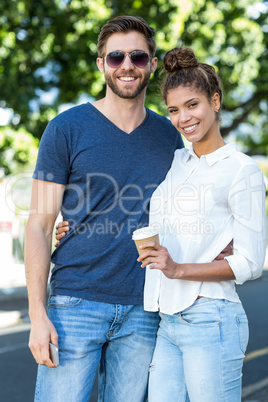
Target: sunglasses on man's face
x,y
139,58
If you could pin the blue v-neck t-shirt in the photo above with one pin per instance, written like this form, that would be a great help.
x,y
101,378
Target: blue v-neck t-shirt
x,y
109,177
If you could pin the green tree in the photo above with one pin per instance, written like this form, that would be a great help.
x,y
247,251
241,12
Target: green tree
x,y
48,55
233,36
17,149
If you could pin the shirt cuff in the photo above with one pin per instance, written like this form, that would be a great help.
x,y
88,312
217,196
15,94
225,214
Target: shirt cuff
x,y
240,267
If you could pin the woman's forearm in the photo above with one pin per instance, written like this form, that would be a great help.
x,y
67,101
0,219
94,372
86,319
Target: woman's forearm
x,y
214,271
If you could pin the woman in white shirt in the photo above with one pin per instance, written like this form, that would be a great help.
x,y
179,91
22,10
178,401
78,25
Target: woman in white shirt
x,y
212,195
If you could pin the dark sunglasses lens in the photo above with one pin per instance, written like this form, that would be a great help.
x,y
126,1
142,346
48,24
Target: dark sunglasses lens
x,y
140,59
114,59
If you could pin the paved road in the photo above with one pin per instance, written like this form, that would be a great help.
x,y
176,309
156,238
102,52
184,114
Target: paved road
x,y
254,296
18,369
17,366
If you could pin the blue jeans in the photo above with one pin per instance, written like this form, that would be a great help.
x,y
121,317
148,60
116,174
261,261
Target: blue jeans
x,y
119,337
199,354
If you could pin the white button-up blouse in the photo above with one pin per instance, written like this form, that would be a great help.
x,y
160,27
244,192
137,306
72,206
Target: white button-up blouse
x,y
199,208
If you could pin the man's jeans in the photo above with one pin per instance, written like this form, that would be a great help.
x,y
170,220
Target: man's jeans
x,y
199,354
119,337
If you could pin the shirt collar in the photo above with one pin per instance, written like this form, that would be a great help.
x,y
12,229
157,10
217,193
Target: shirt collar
x,y
214,157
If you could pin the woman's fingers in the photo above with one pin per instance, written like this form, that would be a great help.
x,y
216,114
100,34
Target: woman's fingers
x,y
148,253
151,244
151,249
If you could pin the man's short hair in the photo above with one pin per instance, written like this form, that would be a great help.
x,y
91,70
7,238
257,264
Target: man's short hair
x,y
125,24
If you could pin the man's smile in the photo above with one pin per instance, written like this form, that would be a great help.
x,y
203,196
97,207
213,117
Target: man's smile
x,y
127,78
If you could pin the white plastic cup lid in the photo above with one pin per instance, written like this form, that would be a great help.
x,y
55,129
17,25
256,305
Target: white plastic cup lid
x,y
143,233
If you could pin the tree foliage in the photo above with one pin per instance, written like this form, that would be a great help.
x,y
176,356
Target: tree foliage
x,y
233,37
48,55
17,149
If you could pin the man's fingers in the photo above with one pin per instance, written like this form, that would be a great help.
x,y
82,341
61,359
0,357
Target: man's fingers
x,y
35,352
220,257
62,229
45,356
54,339
59,236
62,224
42,332
225,252
41,354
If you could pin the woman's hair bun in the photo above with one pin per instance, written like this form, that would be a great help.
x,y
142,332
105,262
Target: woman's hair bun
x,y
178,58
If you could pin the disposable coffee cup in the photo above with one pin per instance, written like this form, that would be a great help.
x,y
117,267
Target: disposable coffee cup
x,y
144,235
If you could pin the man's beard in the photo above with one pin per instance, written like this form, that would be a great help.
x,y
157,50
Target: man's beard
x,y
127,94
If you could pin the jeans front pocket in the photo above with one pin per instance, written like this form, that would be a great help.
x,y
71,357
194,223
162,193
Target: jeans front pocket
x,y
243,331
64,301
200,321
203,314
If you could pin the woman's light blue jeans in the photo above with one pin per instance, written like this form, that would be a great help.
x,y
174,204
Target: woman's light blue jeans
x,y
119,337
199,354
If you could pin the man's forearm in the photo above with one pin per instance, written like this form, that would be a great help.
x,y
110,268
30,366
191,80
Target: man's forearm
x,y
37,265
46,202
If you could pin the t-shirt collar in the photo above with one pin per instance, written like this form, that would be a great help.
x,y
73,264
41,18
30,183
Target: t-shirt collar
x,y
213,157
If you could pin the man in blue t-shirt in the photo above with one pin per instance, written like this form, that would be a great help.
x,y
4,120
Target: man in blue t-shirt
x,y
98,164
